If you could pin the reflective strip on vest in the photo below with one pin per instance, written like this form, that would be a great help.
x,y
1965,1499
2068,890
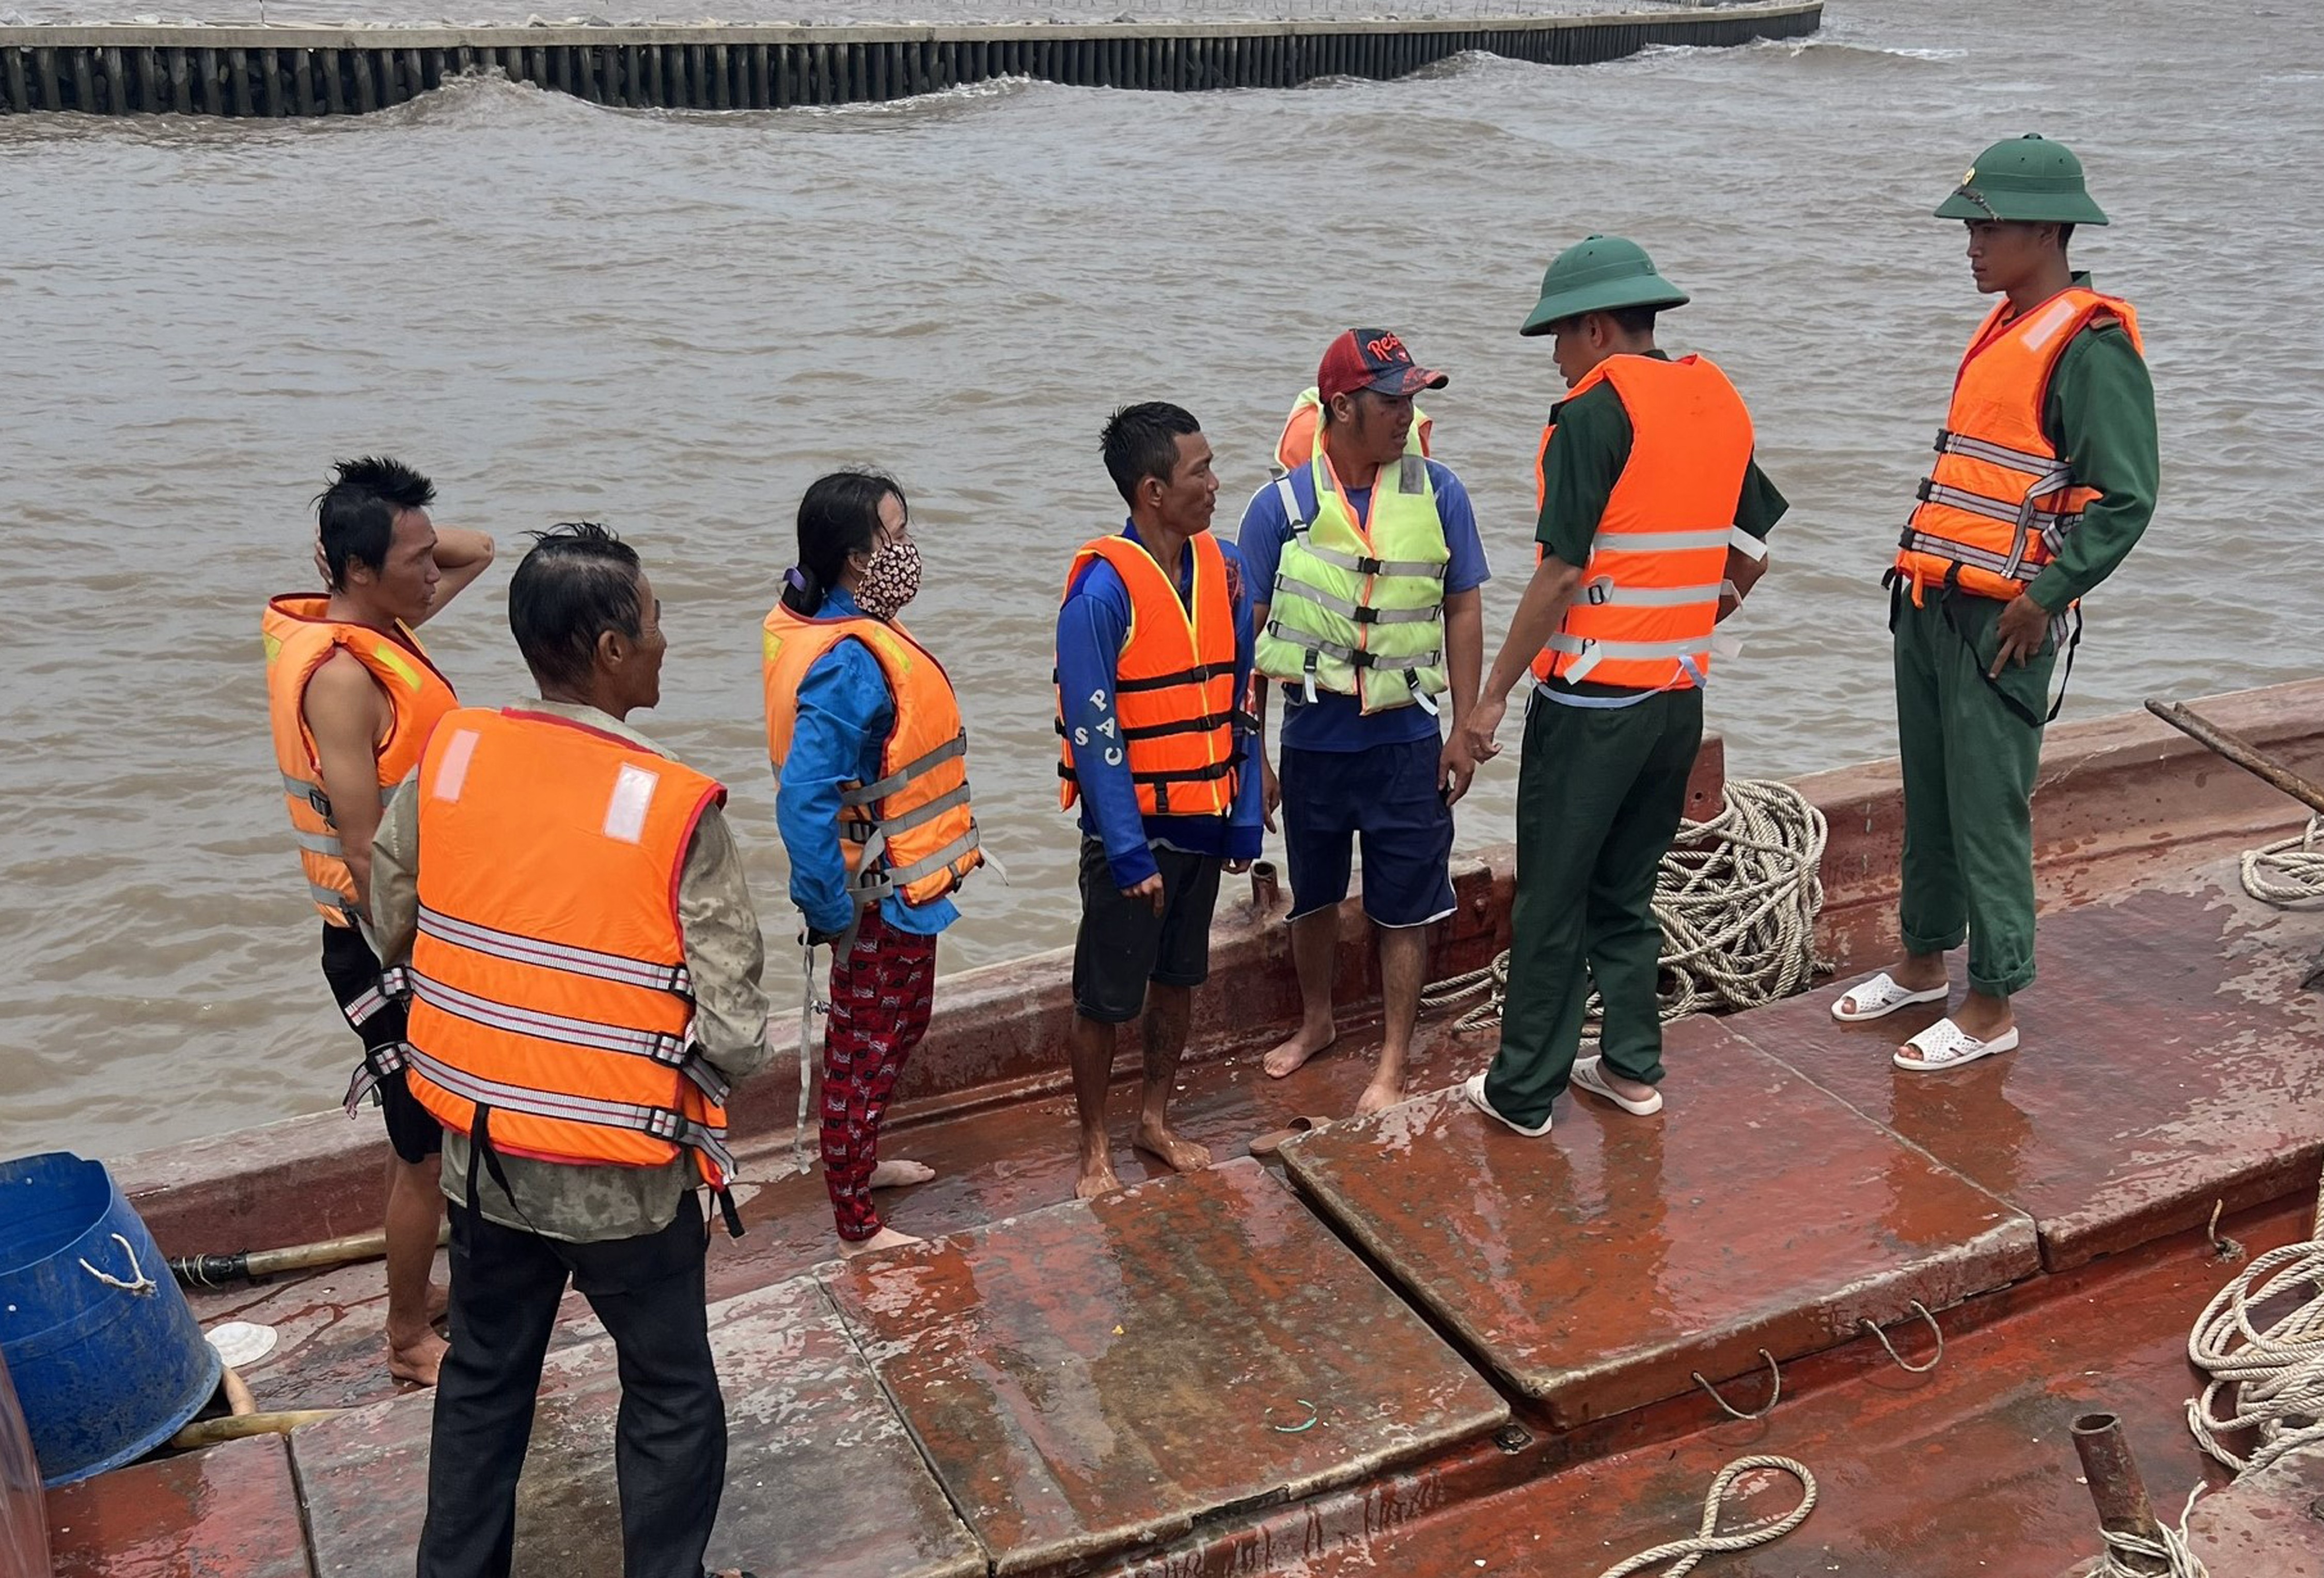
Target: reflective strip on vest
x,y
2054,473
659,1122
1606,591
928,864
577,961
312,793
1418,568
320,842
658,1047
950,750
376,1000
331,896
2020,513
1692,657
1663,541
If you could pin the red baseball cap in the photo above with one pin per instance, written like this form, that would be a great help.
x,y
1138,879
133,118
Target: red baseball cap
x,y
1373,359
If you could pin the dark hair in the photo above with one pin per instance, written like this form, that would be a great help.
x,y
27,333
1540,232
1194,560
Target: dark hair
x,y
1141,441
2065,236
838,516
1633,320
577,581
356,515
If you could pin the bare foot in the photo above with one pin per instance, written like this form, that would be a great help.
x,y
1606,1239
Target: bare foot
x,y
901,1175
1378,1096
1172,1148
418,1359
1097,1178
887,1238
1289,1056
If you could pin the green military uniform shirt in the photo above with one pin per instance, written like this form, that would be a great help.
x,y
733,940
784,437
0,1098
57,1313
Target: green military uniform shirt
x,y
2099,416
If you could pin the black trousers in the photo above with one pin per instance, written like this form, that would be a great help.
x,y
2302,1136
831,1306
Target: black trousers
x,y
669,1452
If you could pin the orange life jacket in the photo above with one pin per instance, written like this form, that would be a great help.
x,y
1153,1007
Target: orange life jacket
x,y
549,980
1643,615
913,831
2000,499
1174,696
299,637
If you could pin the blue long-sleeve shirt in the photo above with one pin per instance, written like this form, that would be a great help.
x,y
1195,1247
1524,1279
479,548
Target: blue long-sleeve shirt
x,y
845,713
1092,623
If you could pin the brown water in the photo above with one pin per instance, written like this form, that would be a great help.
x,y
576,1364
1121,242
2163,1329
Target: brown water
x,y
671,323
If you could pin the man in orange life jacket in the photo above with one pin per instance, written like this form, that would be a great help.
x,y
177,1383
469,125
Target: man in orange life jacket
x,y
1154,654
2045,477
584,963
352,701
1654,517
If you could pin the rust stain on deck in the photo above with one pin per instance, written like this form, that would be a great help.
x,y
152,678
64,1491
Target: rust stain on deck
x,y
1595,1268
228,1511
2169,1061
1087,1379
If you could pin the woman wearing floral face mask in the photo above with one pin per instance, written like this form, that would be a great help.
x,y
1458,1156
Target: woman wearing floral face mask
x,y
871,773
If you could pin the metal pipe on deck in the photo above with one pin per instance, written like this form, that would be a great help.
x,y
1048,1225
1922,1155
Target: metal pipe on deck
x,y
2117,1488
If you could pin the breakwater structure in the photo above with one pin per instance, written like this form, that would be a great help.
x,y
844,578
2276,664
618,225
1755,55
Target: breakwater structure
x,y
284,70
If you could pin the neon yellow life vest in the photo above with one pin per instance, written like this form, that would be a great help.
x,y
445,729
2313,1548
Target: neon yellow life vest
x,y
1358,606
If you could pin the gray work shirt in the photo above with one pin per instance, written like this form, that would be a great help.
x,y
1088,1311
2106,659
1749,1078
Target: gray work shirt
x,y
725,953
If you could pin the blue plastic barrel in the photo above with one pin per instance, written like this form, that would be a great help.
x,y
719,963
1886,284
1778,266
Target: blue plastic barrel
x,y
107,1359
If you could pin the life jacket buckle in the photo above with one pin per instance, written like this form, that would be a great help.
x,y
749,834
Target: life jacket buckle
x,y
1365,616
1599,592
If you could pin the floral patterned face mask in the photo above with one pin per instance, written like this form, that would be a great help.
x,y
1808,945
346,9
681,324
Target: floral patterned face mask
x,y
891,580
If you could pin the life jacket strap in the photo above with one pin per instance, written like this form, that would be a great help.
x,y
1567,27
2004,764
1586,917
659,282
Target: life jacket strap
x,y
2053,472
516,948
1355,657
663,1123
659,1046
1199,674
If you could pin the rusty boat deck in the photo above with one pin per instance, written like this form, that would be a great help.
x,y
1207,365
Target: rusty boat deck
x,y
1417,1343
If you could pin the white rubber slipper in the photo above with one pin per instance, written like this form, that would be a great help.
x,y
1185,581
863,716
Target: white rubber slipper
x,y
1945,1044
1591,1075
1878,998
1475,1087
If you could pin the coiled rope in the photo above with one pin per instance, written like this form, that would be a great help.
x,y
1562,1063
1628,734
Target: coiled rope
x,y
1684,1553
2263,1338
2291,870
1738,898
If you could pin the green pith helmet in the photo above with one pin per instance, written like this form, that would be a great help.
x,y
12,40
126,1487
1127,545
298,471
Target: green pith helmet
x,y
2027,178
1597,275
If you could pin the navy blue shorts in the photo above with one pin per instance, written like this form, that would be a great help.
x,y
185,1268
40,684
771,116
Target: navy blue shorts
x,y
1388,795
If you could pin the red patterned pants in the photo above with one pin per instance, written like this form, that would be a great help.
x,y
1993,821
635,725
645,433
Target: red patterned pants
x,y
881,995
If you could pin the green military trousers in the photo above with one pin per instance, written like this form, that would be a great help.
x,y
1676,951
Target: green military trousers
x,y
1969,750
1599,795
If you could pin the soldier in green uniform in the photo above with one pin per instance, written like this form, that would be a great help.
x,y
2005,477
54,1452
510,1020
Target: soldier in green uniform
x,y
1653,516
2045,477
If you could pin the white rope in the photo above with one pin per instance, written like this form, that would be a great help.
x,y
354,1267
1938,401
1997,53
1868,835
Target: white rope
x,y
1738,898
2261,1341
140,1284
1684,1553
2291,870
2171,1548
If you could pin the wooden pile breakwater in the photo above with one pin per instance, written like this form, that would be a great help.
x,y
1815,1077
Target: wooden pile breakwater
x,y
280,71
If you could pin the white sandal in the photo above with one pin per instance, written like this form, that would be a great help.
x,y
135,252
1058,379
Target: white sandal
x,y
1589,1075
1945,1044
1878,998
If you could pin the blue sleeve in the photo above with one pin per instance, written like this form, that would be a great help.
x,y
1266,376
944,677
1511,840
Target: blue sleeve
x,y
1245,825
1265,530
1467,570
1092,625
843,705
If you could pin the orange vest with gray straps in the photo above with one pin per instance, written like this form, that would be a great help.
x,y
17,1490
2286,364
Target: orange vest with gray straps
x,y
299,637
913,831
551,1007
2000,499
1174,696
1649,599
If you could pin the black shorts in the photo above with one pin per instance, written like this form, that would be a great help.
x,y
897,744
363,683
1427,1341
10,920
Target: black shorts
x,y
353,971
1122,944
